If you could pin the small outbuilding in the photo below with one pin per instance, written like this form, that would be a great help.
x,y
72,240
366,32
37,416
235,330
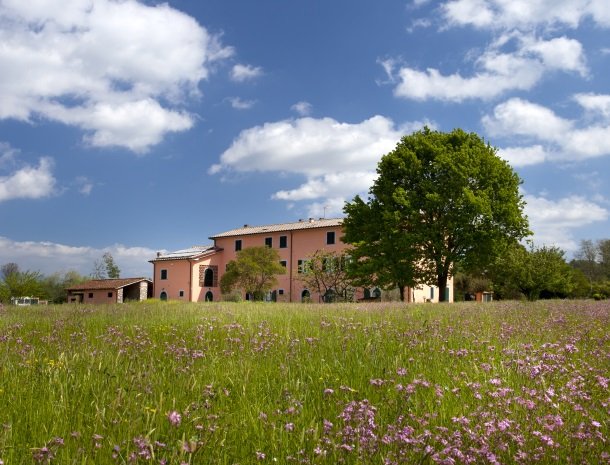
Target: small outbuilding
x,y
110,291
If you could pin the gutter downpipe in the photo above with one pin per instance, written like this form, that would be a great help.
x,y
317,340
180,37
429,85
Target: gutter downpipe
x,y
291,266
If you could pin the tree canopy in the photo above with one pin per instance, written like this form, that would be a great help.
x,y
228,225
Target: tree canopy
x,y
532,273
439,199
254,271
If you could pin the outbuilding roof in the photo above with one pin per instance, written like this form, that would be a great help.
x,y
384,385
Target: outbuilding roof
x,y
106,284
281,227
191,252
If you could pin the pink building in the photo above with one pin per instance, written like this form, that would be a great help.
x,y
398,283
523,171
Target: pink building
x,y
110,291
194,274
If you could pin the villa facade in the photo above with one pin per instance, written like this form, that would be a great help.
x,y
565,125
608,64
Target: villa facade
x,y
194,274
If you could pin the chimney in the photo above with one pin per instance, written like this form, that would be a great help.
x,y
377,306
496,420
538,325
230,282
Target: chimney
x,y
158,254
245,225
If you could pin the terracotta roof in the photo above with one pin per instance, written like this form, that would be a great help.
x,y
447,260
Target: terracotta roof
x,y
301,224
106,284
191,252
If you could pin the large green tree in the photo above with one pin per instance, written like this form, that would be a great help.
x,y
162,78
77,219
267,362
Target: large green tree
x,y
254,271
439,199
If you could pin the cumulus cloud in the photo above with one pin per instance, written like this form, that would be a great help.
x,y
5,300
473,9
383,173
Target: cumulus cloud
x,y
495,72
524,14
118,70
241,73
302,108
29,182
554,221
553,137
526,42
337,160
50,257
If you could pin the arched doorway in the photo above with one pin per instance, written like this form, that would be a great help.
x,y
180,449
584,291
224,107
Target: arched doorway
x,y
305,296
163,295
209,297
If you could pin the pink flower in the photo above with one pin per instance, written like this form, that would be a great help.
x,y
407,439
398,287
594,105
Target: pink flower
x,y
174,418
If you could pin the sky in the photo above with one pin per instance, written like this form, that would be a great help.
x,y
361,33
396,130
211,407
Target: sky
x,y
133,127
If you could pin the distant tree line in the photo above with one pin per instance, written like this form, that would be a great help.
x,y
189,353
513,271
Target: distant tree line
x,y
530,272
16,283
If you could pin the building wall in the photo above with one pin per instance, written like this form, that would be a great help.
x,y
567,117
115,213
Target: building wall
x,y
299,245
186,275
177,280
99,296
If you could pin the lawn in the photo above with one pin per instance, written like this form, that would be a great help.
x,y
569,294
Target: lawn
x,y
244,383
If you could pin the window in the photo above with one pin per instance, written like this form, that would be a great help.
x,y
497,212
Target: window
x,y
208,278
237,245
303,266
163,296
280,291
284,263
110,294
431,293
181,293
330,237
163,274
269,241
283,242
91,295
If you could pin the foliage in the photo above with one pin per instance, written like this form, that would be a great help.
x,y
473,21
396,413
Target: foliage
x,y
327,274
17,283
382,254
254,271
533,272
510,383
105,268
593,260
54,286
441,199
469,284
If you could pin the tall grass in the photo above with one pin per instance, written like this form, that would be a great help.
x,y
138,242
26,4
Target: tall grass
x,y
242,383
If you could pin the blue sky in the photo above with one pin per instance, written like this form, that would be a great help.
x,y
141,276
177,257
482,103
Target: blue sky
x,y
131,127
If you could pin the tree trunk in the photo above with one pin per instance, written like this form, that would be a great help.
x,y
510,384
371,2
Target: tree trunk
x,y
442,285
401,289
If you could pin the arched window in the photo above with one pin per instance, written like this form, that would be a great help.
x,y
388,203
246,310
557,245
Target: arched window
x,y
163,295
367,293
208,279
305,296
209,297
376,293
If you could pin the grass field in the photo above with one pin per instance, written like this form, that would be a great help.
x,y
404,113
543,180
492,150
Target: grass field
x,y
314,384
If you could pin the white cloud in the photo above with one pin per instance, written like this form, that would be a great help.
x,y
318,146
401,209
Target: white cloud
x,y
524,14
241,73
302,108
524,118
311,146
50,257
99,66
597,104
554,221
29,182
337,160
559,53
554,138
527,45
524,156
240,104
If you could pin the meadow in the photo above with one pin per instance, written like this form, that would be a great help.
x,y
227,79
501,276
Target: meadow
x,y
225,383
